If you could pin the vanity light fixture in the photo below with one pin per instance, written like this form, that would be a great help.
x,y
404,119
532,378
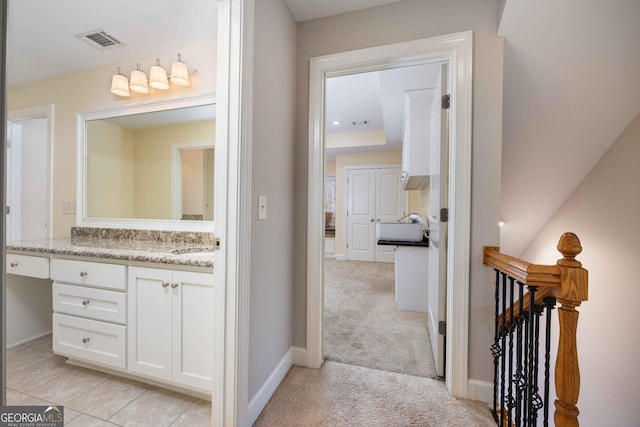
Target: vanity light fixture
x,y
138,81
158,78
120,84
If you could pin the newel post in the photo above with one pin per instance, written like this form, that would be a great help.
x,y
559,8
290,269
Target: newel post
x,y
572,292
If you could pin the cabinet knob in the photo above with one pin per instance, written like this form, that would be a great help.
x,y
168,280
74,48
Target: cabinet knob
x,y
83,274
372,220
165,284
14,264
85,340
85,302
174,285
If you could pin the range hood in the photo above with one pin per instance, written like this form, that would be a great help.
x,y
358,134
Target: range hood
x,y
415,182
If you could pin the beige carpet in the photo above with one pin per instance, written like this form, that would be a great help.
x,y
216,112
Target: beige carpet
x,y
362,325
346,395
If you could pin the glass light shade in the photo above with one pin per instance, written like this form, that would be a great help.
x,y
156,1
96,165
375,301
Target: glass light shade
x,y
120,85
139,82
158,78
179,73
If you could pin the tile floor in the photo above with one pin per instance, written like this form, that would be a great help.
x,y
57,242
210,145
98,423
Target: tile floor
x,y
35,376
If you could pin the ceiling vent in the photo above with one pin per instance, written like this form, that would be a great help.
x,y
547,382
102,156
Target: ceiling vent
x,y
100,39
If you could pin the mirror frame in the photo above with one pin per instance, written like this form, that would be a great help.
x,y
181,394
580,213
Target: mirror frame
x,y
132,223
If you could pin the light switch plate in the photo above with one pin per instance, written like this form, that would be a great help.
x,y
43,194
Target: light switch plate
x,y
262,208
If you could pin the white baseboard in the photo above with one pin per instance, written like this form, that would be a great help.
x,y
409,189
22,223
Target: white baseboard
x,y
480,390
260,400
299,356
341,257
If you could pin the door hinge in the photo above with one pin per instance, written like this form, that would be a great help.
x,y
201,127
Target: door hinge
x,y
7,210
446,102
444,215
442,327
8,143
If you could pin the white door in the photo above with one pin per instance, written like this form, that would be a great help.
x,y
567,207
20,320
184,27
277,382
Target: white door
x,y
150,322
361,205
193,329
28,180
391,205
438,200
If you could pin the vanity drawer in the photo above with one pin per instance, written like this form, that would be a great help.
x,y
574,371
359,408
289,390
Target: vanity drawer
x,y
90,340
110,306
25,265
111,276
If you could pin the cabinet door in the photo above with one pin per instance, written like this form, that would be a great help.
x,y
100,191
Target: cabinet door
x,y
150,322
391,205
193,329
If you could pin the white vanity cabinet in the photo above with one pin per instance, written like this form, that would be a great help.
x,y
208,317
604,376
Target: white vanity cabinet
x,y
171,325
27,265
90,311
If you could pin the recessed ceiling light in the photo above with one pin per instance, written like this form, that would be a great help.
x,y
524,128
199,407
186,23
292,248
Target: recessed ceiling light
x,y
337,123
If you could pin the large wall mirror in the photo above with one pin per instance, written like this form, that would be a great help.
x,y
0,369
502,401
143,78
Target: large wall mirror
x,y
149,166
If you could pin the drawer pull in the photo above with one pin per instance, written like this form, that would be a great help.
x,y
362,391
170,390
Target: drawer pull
x,y
14,264
85,302
174,285
83,274
165,284
85,340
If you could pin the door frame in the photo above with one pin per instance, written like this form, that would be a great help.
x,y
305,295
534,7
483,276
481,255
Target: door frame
x,y
457,49
45,112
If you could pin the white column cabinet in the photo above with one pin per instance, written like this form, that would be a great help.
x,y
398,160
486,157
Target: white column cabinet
x,y
171,325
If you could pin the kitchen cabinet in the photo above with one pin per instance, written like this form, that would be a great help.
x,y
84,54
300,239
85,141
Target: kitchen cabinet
x,y
90,323
416,138
171,326
411,274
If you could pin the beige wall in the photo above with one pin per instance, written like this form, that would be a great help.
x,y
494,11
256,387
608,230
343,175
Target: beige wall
x,y
110,171
419,201
330,167
604,212
397,22
88,91
152,173
355,139
372,158
272,256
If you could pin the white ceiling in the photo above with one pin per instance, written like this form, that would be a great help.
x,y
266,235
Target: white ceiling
x,y
376,97
304,10
41,42
571,85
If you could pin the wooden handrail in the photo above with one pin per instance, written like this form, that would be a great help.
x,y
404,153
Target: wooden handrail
x,y
567,281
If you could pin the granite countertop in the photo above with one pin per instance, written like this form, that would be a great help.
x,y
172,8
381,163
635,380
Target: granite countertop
x,y
156,251
424,243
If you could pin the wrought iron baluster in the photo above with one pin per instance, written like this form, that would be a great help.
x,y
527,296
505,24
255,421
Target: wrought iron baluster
x,y
495,348
511,400
503,334
525,364
532,358
519,376
550,304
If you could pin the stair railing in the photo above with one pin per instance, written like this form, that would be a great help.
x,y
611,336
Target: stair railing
x,y
516,348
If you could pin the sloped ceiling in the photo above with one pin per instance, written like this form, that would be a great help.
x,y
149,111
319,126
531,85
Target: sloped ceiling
x,y
571,85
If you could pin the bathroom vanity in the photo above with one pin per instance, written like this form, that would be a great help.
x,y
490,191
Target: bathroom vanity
x,y
137,305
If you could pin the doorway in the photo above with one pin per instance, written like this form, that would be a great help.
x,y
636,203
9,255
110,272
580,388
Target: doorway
x,y
28,185
456,49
